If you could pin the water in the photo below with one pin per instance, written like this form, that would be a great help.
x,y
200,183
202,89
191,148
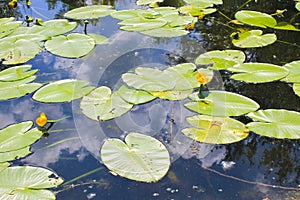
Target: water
x,y
255,164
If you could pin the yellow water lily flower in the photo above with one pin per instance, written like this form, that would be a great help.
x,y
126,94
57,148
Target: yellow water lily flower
x,y
41,120
202,79
13,3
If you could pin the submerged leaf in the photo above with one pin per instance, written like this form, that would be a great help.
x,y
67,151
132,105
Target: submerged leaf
x,y
139,158
253,38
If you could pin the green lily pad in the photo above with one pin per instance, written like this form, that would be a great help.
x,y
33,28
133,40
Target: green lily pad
x,y
286,26
196,11
176,20
255,18
258,72
7,27
99,39
62,91
18,136
17,73
6,19
13,155
222,104
294,69
221,59
204,3
3,166
275,123
27,182
134,96
165,31
296,88
139,24
19,88
126,14
297,6
139,158
101,104
173,95
89,12
147,2
67,46
215,130
254,38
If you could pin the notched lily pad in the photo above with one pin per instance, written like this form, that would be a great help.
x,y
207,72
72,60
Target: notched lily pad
x,y
253,38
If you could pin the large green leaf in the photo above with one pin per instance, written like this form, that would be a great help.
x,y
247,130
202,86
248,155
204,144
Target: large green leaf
x,y
27,182
222,103
74,45
134,96
285,26
140,24
221,59
215,130
62,91
296,88
7,26
18,136
101,104
255,18
294,69
17,73
19,88
258,72
203,3
15,154
165,31
89,12
253,38
140,158
3,166
275,123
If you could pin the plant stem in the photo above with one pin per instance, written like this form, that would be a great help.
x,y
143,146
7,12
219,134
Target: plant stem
x,y
248,1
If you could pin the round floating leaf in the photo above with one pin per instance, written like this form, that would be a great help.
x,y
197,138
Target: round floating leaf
x,y
99,39
140,158
68,46
18,52
296,88
3,166
176,20
255,18
215,130
125,14
89,12
17,73
18,136
134,96
19,88
146,2
26,182
258,72
276,123
13,155
101,104
149,79
8,27
294,69
165,32
62,91
139,24
253,38
222,103
203,3
173,94
221,59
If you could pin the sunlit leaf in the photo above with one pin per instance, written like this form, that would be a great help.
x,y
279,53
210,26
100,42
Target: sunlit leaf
x,y
99,39
138,24
286,26
253,38
255,18
203,3
222,103
17,73
215,130
275,123
68,46
221,59
15,154
62,91
294,69
258,72
27,182
3,166
296,88
101,104
147,2
134,96
139,158
297,6
165,32
18,136
176,20
7,26
173,94
196,11
89,12
19,88
125,14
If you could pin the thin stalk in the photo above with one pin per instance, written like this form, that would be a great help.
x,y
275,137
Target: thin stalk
x,y
82,176
221,13
243,5
288,43
58,142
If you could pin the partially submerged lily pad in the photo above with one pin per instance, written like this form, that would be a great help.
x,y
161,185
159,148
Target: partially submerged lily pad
x,y
139,158
253,38
215,130
275,123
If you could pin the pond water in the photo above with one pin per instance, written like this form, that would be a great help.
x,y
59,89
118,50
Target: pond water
x,y
250,169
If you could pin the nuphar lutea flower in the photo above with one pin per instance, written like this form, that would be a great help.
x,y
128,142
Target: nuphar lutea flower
x,y
41,120
202,79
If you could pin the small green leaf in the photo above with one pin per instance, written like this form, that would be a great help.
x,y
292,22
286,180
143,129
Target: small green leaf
x,y
258,72
89,12
17,73
294,69
275,123
296,88
254,38
255,18
13,155
215,130
134,96
139,158
67,46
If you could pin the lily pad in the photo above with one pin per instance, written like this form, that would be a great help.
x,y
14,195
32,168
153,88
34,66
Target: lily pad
x,y
139,158
18,136
215,130
13,155
258,72
254,38
3,166
27,182
294,69
221,59
101,104
222,104
147,2
134,96
275,123
285,26
297,6
165,32
62,91
255,18
89,12
17,73
99,39
67,46
7,26
203,3
19,88
296,88
173,94
139,24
